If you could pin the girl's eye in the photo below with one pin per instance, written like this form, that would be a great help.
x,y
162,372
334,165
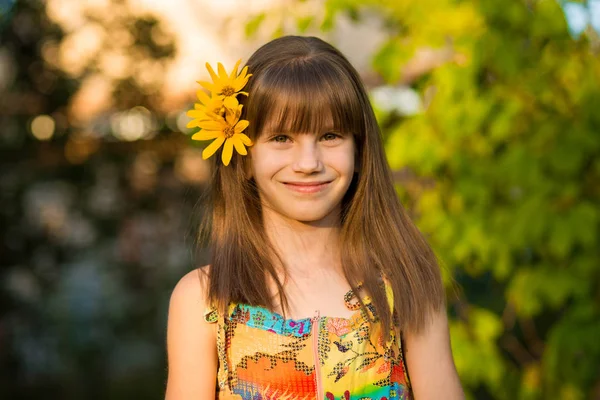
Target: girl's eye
x,y
331,136
279,138
284,138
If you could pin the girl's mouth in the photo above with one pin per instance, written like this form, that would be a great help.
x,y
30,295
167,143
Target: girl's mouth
x,y
306,187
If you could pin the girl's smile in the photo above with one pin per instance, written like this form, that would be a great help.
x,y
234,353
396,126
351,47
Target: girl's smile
x,y
307,187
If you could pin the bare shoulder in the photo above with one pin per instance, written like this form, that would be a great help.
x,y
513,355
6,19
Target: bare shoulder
x,y
191,340
189,303
191,288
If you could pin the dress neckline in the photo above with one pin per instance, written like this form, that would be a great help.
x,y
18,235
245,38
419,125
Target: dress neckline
x,y
265,319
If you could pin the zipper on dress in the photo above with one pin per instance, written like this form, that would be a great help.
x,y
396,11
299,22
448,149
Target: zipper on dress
x,y
315,341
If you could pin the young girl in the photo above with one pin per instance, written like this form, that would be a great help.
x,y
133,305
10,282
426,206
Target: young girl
x,y
319,285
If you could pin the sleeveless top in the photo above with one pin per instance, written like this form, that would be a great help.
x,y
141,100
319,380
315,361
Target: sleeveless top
x,y
263,356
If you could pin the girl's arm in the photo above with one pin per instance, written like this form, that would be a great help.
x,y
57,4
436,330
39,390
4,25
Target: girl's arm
x,y
191,342
430,364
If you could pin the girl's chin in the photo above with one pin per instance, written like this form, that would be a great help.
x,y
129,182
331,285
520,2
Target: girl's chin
x,y
309,216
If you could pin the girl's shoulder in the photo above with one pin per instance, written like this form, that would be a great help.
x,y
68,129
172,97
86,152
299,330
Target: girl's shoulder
x,y
189,335
191,292
193,284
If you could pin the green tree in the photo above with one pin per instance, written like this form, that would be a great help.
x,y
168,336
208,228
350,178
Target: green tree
x,y
505,164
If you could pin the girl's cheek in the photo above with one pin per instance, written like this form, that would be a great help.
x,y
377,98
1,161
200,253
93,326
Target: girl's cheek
x,y
269,165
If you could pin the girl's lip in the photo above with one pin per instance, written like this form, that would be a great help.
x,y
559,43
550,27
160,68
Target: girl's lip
x,y
306,183
307,187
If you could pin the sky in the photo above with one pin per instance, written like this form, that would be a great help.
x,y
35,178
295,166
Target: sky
x,y
578,16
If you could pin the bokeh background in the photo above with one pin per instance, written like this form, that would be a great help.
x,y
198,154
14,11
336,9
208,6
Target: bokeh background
x,y
491,117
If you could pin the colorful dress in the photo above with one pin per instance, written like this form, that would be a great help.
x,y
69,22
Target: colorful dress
x,y
263,356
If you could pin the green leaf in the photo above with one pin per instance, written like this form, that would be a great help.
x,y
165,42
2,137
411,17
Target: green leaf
x,y
486,325
253,24
303,23
390,58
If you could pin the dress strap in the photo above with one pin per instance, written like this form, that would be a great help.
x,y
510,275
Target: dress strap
x,y
355,305
396,335
213,315
352,303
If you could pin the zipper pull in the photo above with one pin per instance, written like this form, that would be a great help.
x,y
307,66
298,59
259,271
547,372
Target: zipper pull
x,y
317,315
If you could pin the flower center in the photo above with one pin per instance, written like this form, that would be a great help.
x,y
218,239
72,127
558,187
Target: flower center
x,y
227,91
228,132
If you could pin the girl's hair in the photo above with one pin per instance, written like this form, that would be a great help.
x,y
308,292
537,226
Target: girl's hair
x,y
299,84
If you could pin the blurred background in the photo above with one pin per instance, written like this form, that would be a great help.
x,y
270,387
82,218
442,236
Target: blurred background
x,y
491,116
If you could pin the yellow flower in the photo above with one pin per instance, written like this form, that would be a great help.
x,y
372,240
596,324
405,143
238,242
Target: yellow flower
x,y
209,109
218,115
226,130
227,86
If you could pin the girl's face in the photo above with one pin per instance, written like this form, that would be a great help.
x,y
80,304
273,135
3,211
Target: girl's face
x,y
303,176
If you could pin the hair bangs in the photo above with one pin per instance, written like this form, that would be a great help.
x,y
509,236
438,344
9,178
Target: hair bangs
x,y
307,97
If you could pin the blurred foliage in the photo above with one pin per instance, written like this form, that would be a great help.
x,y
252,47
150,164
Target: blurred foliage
x,y
509,134
91,222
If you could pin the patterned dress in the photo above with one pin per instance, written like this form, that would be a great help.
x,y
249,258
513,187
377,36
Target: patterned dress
x,y
263,356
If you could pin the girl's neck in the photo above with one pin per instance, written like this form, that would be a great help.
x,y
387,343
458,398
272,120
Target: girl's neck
x,y
304,247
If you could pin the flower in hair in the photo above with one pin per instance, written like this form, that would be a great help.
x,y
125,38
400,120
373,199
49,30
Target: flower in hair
x,y
203,111
218,116
225,86
226,130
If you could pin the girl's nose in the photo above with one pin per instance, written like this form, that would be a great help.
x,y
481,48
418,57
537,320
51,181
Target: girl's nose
x,y
308,157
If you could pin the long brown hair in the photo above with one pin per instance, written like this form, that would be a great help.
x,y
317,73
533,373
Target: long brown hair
x,y
297,84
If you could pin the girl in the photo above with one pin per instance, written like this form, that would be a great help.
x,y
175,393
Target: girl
x,y
319,285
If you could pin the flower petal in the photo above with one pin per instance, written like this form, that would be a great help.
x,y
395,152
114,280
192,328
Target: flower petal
x,y
239,83
231,102
239,146
244,139
222,73
211,125
244,71
233,115
227,152
215,116
203,97
196,113
235,68
211,71
192,124
241,125
215,102
206,135
211,148
209,86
